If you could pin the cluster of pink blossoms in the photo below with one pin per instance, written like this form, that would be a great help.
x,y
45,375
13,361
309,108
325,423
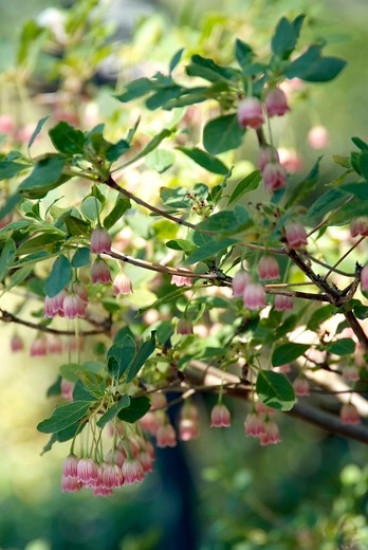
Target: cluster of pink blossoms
x,y
250,114
258,423
45,344
128,463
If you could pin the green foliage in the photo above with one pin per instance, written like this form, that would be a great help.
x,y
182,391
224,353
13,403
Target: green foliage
x,y
275,390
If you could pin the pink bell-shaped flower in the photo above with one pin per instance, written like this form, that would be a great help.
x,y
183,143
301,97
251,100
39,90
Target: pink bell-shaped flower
x,y
274,176
254,296
296,235
250,113
276,103
268,268
100,241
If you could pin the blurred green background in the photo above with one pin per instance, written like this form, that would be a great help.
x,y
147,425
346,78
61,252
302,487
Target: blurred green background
x,y
222,491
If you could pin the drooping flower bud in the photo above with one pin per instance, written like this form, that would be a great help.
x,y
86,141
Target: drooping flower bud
x,y
16,343
165,436
296,235
359,226
100,241
38,347
318,137
74,306
270,434
364,278
290,160
220,416
283,303
250,113
240,280
301,386
121,284
189,422
276,103
254,296
274,176
268,268
100,272
349,414
180,280
267,154
184,326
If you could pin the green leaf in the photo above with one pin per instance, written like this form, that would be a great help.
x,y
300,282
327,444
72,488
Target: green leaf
x,y
163,95
60,276
64,416
46,175
181,244
247,184
284,40
243,54
208,69
344,346
143,353
6,257
160,160
288,353
204,159
320,316
363,164
116,150
120,356
49,241
312,67
324,204
81,257
9,169
91,208
155,142
76,226
113,411
121,205
359,190
136,88
305,187
226,221
275,390
18,277
362,145
137,408
175,60
222,134
67,139
88,393
209,250
30,33
10,204
37,130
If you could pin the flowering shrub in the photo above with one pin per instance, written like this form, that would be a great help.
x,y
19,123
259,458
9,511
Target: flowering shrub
x,y
193,276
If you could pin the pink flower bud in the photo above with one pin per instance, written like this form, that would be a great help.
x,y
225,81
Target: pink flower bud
x,y
70,466
220,416
70,485
6,124
318,137
301,386
54,306
274,176
359,226
364,278
54,344
38,347
180,280
165,436
87,472
254,425
250,113
189,422
254,296
266,155
240,280
100,241
74,306
296,235
276,103
184,326
121,284
283,303
66,389
290,160
100,272
81,291
268,268
132,471
270,434
349,414
16,343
